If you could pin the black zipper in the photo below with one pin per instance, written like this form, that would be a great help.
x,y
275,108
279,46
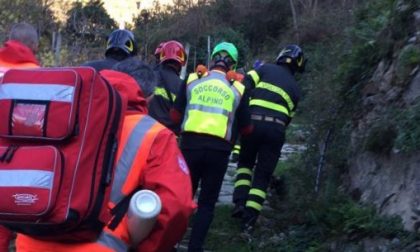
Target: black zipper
x,y
110,152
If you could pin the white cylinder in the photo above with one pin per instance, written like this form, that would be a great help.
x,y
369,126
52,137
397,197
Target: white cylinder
x,y
145,206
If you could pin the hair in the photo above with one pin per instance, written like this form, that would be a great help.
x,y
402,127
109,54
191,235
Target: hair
x,y
26,34
142,73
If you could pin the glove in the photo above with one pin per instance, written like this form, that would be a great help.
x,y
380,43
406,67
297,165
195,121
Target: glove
x,y
201,70
232,76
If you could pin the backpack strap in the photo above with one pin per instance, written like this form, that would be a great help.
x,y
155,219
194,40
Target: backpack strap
x,y
120,210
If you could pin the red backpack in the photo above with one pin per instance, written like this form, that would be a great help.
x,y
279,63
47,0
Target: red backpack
x,y
58,139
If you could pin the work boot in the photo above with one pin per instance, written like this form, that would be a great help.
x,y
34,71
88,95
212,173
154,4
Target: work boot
x,y
249,218
238,211
247,229
234,157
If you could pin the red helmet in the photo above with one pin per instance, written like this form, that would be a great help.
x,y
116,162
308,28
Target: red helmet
x,y
173,50
159,49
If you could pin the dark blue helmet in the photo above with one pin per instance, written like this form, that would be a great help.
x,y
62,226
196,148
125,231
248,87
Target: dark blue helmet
x,y
123,41
292,55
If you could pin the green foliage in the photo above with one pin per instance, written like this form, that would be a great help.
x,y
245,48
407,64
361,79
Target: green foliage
x,y
341,58
408,59
408,126
224,233
358,63
86,30
35,12
261,21
297,133
233,21
360,221
402,22
225,236
371,18
90,21
410,56
325,221
286,166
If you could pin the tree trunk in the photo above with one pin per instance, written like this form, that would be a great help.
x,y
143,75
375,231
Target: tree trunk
x,y
314,8
295,24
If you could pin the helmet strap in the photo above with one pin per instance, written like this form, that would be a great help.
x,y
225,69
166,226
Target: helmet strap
x,y
226,62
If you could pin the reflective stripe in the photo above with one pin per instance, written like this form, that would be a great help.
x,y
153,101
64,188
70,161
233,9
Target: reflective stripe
x,y
242,182
253,204
244,171
194,76
236,149
162,92
112,242
254,75
128,155
239,87
208,109
269,105
258,192
3,70
26,178
39,92
278,90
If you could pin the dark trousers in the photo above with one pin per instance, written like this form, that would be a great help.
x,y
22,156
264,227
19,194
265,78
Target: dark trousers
x,y
207,167
263,146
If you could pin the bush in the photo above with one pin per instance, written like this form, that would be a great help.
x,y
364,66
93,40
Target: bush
x,y
408,136
380,138
408,59
363,221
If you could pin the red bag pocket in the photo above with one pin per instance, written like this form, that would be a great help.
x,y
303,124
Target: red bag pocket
x,y
30,178
39,103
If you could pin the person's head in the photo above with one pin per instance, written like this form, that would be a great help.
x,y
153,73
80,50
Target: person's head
x,y
26,34
173,54
225,56
158,50
142,73
121,44
292,56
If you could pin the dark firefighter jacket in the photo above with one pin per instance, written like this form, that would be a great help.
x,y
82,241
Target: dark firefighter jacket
x,y
164,96
274,91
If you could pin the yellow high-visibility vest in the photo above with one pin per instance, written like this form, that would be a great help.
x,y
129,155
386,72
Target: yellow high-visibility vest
x,y
211,104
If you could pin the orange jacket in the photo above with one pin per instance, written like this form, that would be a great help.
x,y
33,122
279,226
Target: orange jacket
x,y
14,54
157,164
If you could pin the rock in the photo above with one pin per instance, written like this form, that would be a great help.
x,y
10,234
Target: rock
x,y
413,91
395,242
417,20
389,182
